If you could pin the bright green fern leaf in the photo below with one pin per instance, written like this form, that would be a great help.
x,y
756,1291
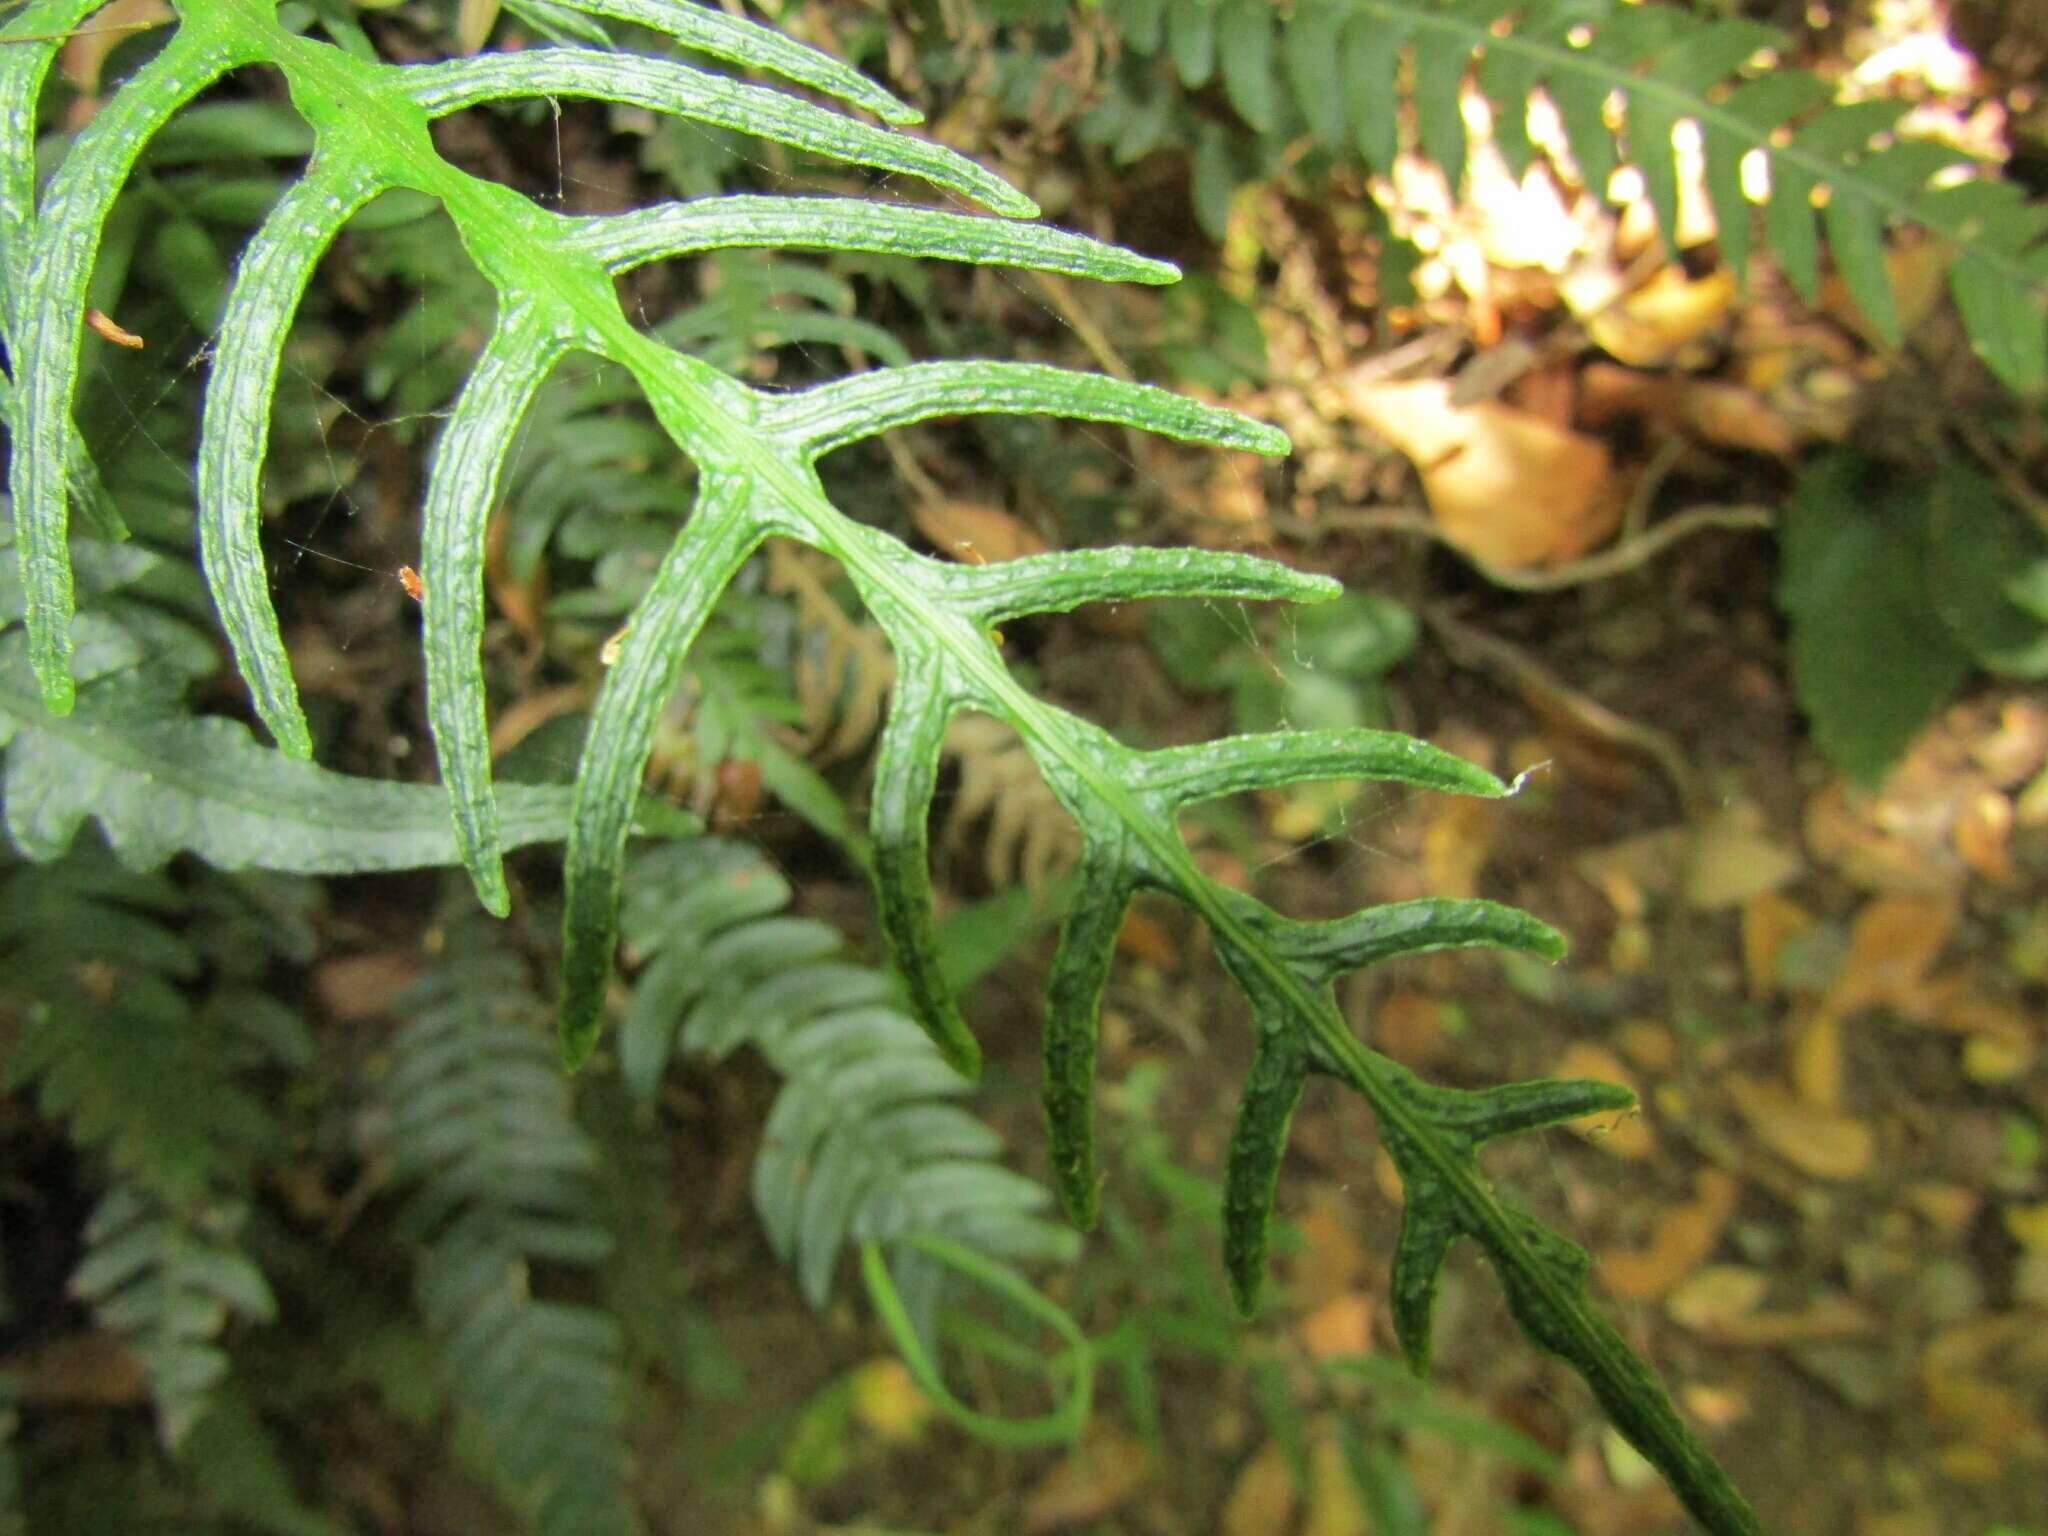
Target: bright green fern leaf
x,y
160,781
756,456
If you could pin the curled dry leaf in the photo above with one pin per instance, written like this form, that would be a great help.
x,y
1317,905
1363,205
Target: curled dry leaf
x,y
1650,326
521,600
1679,1243
1721,1304
85,52
1826,1144
975,533
1028,837
1713,410
1507,486
1892,946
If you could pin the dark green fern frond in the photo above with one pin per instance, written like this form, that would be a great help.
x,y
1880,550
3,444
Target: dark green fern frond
x,y
112,1043
504,1196
862,1144
99,965
1839,170
170,1281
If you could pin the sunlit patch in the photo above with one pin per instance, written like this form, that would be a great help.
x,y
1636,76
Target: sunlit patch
x,y
1756,176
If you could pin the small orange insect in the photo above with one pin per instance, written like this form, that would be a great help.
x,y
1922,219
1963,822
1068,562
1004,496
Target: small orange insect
x,y
104,326
409,579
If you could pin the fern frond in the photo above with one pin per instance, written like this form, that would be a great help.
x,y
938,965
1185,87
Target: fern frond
x,y
1338,61
862,1143
170,1282
160,781
98,961
112,1044
505,1185
756,454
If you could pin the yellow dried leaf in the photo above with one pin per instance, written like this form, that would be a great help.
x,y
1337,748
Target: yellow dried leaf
x,y
1892,946
1770,921
1827,1318
1648,1044
1816,1064
2029,1226
1647,327
1716,1297
1339,1329
1334,1505
1456,844
1507,486
975,533
1948,1208
1261,1501
1983,836
1730,858
473,22
1989,1059
1715,1406
1680,1242
1985,1415
1826,1144
1107,1471
1621,1132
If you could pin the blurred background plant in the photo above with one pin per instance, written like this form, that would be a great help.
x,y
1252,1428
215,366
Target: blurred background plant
x,y
306,1234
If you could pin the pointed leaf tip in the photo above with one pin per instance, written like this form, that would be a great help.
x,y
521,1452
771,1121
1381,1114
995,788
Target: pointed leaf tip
x,y
1252,1172
957,1044
1427,1231
1270,441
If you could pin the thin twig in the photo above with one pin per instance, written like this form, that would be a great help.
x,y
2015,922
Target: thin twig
x,y
1475,647
1612,561
2008,474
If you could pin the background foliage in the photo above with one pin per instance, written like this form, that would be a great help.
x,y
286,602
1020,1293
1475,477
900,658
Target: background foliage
x,y
394,1198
